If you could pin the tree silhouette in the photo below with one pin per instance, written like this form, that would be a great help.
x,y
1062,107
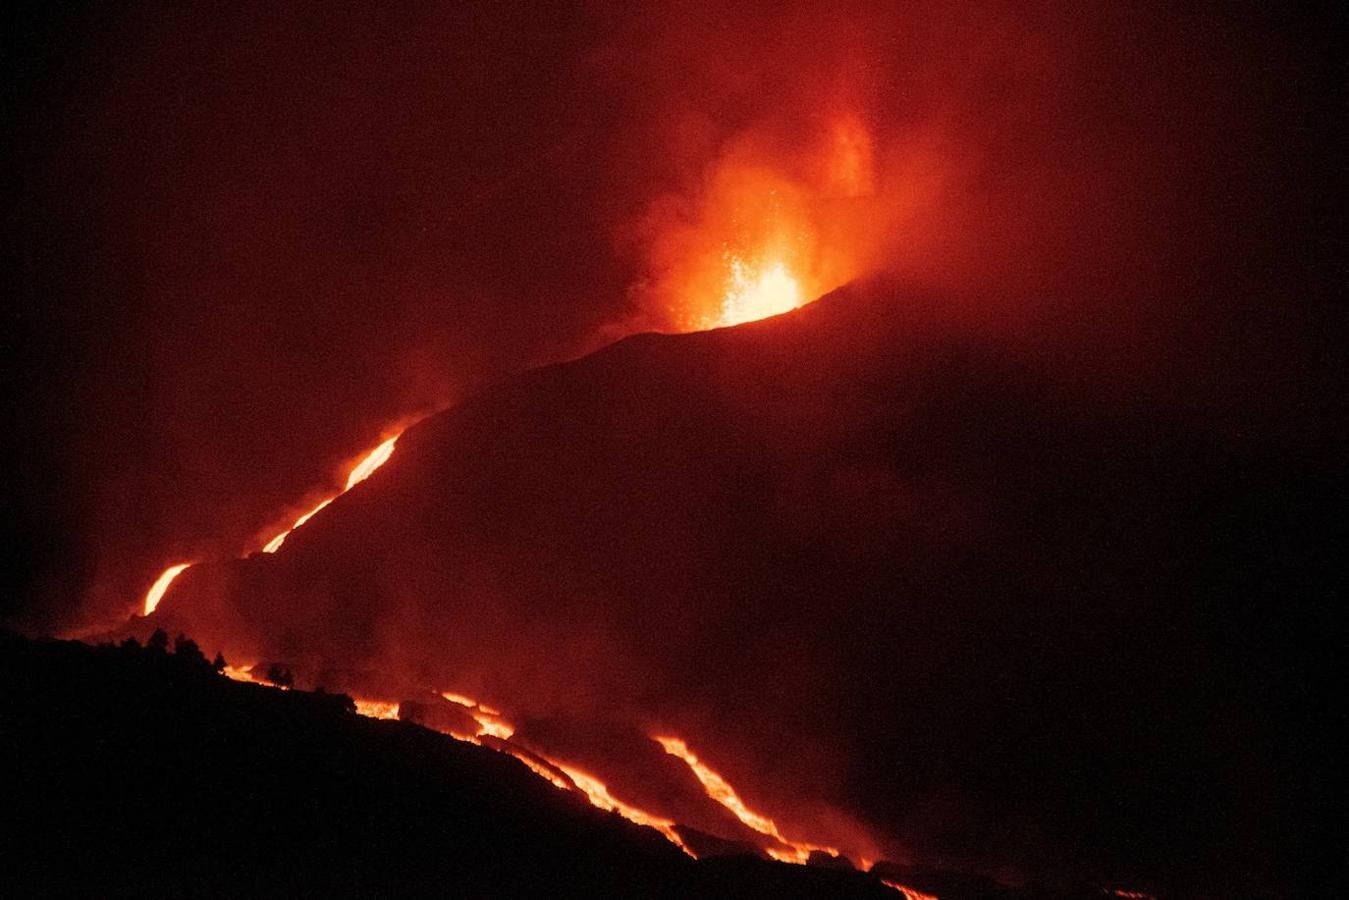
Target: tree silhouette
x,y
186,649
219,662
158,642
279,675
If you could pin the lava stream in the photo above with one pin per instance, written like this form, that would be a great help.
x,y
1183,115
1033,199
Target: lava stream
x,y
377,709
908,892
721,791
156,592
599,796
363,470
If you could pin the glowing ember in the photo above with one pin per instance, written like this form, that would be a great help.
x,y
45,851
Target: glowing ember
x,y
363,470
719,790
156,592
752,295
908,892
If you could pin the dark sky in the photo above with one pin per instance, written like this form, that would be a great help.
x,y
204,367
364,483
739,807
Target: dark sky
x,y
239,244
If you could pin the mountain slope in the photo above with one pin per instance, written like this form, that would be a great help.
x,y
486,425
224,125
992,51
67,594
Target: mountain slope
x,y
910,590
136,773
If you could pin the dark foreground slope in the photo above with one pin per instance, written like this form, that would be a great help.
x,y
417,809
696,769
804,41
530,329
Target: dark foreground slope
x,y
136,773
1025,610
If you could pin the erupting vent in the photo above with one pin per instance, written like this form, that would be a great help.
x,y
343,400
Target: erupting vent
x,y
758,293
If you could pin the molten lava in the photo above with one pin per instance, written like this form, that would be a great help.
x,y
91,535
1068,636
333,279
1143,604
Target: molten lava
x,y
719,790
377,709
498,731
156,592
758,294
908,892
599,796
489,720
363,470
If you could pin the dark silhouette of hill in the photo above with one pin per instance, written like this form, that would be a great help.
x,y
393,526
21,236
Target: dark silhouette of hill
x,y
140,772
991,604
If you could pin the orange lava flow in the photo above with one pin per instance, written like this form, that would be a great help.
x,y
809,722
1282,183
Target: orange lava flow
x,y
156,592
908,892
236,673
721,791
363,470
377,709
490,722
599,796
543,772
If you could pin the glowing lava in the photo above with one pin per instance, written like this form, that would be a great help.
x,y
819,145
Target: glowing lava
x,y
749,296
377,709
489,720
757,294
721,791
599,796
363,470
908,892
156,592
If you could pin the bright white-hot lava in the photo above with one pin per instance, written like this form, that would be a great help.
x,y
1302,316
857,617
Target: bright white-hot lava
x,y
156,592
363,470
758,292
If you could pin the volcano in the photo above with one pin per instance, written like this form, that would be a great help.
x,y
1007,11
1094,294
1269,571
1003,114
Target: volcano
x,y
911,593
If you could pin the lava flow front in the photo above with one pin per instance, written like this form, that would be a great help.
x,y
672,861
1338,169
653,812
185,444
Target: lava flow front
x,y
360,472
721,791
495,732
363,470
161,585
